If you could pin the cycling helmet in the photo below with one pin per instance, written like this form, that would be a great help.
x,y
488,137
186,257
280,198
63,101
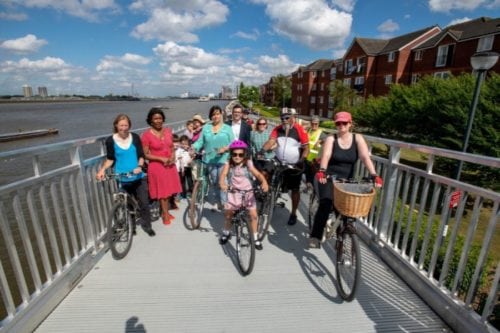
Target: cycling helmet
x,y
238,144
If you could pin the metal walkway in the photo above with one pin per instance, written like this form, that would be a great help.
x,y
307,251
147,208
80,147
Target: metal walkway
x,y
184,281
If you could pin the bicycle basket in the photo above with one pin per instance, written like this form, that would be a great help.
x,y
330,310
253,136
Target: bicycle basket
x,y
353,200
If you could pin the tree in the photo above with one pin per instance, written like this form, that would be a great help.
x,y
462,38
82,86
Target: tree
x,y
282,91
343,96
248,94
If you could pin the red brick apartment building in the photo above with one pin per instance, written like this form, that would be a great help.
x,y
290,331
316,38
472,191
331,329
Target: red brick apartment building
x,y
311,88
370,66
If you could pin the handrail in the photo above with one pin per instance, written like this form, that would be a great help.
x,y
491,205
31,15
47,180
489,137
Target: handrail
x,y
53,222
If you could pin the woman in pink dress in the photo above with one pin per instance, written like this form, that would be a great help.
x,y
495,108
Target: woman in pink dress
x,y
158,146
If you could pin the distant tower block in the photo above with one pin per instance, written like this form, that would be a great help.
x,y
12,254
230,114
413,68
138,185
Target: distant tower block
x,y
27,91
42,92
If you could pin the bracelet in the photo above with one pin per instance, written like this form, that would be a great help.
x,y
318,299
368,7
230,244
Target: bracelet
x,y
322,169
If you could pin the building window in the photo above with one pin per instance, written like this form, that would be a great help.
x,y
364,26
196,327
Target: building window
x,y
419,54
359,80
360,65
348,67
415,78
330,114
333,73
442,75
300,75
347,82
323,73
391,56
320,99
313,88
322,87
313,99
442,56
485,43
313,74
388,79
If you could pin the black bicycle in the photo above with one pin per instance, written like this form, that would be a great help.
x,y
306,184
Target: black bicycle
x,y
244,241
122,218
353,200
267,201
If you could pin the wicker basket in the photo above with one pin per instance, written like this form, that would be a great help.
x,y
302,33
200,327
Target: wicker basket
x,y
353,200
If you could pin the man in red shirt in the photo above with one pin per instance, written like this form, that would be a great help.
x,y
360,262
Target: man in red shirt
x,y
292,147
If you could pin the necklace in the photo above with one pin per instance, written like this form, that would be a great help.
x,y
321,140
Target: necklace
x,y
345,141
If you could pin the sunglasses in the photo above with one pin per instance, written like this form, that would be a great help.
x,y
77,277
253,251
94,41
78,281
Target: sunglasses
x,y
341,123
261,124
285,117
238,154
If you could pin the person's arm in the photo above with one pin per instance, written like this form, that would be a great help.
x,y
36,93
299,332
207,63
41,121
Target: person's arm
x,y
222,178
101,173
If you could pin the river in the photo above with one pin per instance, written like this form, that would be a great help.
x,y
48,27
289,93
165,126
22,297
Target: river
x,y
76,120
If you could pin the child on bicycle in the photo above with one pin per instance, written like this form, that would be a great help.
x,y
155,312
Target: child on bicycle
x,y
237,175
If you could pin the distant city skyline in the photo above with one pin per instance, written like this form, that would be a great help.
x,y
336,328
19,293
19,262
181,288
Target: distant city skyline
x,y
163,48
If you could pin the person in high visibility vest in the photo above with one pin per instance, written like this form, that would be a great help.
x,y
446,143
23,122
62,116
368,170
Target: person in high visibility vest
x,y
316,138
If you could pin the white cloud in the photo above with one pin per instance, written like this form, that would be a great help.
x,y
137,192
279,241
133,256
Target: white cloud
x,y
85,9
459,20
313,23
126,62
388,26
27,44
49,68
191,56
279,65
248,35
449,5
13,16
346,5
337,54
177,20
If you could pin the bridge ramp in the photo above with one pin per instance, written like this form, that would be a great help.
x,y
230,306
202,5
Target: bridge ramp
x,y
184,281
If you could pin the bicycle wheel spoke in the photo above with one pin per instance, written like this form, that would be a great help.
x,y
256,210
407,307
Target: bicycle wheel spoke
x,y
120,229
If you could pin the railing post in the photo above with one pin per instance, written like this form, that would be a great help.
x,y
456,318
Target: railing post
x,y
389,193
83,190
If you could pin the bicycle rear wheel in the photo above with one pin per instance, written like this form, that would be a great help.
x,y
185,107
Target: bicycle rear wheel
x,y
120,230
348,265
196,204
264,216
245,246
313,207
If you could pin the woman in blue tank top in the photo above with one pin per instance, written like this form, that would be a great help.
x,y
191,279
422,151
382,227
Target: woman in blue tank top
x,y
339,155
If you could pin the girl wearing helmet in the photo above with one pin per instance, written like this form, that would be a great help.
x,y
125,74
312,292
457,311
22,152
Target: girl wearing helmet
x,y
236,175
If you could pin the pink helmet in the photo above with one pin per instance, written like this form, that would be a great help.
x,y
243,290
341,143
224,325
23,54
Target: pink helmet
x,y
238,144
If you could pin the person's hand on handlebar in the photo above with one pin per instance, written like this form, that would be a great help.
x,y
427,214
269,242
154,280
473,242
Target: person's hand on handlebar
x,y
321,176
377,181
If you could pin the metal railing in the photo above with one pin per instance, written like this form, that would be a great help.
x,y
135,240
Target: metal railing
x,y
52,226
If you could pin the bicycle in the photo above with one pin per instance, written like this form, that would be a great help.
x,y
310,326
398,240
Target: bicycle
x,y
122,217
353,200
266,203
245,243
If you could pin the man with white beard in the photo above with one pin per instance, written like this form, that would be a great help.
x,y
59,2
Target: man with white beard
x,y
292,147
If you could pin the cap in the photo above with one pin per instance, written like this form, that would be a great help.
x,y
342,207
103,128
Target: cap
x,y
198,118
343,116
289,111
314,119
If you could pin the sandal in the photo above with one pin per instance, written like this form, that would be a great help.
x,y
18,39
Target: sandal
x,y
166,219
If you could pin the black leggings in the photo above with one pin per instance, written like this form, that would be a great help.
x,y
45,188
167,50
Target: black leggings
x,y
139,189
325,194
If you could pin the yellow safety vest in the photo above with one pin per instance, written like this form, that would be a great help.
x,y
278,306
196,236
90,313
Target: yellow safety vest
x,y
313,139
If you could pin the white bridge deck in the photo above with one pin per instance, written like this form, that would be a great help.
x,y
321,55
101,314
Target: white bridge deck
x,y
184,281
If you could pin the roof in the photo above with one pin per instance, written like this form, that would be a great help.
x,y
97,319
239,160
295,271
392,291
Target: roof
x,y
466,30
319,65
371,46
396,43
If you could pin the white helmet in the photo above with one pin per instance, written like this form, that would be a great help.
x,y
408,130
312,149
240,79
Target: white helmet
x,y
288,111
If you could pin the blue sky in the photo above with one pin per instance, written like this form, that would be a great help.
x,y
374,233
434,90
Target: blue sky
x,y
166,47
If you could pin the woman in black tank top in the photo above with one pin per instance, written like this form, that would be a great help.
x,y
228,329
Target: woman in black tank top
x,y
338,158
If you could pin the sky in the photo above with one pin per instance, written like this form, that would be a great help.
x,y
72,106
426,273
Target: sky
x,y
159,48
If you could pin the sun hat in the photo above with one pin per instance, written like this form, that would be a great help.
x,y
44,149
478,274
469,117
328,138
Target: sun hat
x,y
343,116
314,119
199,118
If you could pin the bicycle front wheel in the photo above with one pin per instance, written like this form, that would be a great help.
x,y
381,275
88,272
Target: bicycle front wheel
x,y
348,265
196,204
245,246
120,230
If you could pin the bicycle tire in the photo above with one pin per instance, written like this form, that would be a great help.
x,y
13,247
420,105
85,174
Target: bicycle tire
x,y
348,265
245,246
313,207
120,230
196,204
